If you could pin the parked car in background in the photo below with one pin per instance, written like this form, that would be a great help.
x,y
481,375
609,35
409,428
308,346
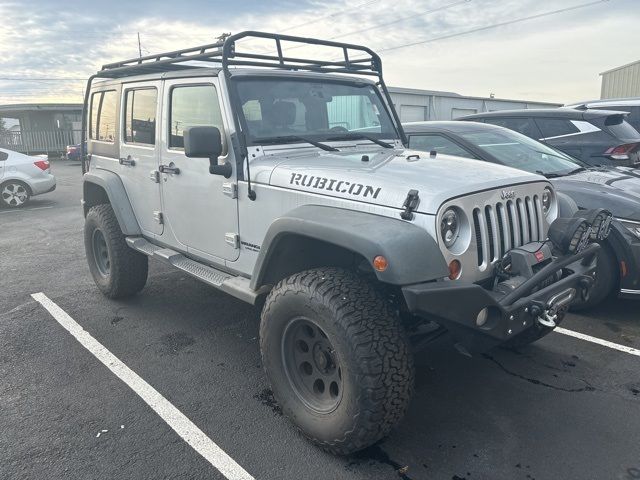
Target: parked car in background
x,y
631,105
22,177
597,137
72,152
614,188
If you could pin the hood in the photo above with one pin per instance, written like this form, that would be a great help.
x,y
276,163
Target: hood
x,y
614,188
384,177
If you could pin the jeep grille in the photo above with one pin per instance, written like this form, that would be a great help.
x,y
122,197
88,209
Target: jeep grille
x,y
502,226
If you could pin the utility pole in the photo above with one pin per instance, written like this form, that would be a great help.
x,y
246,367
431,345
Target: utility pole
x,y
139,47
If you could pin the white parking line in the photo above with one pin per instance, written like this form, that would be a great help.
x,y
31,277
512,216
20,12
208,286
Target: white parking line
x,y
170,414
25,209
598,341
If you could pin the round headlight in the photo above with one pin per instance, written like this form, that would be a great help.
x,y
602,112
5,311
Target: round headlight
x,y
547,197
449,227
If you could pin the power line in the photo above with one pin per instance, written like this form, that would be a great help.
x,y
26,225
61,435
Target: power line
x,y
360,5
381,25
495,25
398,20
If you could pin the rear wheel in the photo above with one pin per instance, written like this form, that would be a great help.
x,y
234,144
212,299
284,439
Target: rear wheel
x,y
337,358
14,194
117,270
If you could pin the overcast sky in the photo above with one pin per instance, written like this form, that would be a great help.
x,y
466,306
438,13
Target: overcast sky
x,y
550,58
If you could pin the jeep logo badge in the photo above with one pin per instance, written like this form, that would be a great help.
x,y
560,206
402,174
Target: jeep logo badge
x,y
508,194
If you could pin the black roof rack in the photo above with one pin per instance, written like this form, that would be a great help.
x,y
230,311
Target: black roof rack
x,y
226,54
354,59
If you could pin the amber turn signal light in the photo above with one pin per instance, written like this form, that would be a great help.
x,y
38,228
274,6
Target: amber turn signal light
x,y
380,263
455,269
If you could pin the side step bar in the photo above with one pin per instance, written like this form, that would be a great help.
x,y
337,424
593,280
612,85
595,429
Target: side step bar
x,y
231,284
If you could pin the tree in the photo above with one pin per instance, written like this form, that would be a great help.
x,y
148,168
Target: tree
x,y
3,126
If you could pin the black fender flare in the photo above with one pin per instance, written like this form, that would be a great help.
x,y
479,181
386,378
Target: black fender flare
x,y
567,206
413,255
116,195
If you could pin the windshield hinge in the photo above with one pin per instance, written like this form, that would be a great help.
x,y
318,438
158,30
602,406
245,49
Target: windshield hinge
x,y
410,204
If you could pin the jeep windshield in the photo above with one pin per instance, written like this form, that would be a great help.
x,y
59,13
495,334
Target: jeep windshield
x,y
312,110
519,151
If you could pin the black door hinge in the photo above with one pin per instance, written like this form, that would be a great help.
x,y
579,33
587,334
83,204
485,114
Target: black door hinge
x,y
410,204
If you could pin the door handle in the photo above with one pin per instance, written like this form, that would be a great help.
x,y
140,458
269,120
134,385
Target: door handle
x,y
169,169
127,161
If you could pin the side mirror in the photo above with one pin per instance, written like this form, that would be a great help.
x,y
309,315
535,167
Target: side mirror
x,y
206,142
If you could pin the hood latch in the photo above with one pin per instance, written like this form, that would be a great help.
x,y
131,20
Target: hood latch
x,y
410,204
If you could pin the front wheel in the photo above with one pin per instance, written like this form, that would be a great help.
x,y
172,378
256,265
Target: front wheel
x,y
14,194
117,270
337,358
606,280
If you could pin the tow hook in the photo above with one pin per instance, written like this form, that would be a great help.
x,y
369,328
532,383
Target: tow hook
x,y
547,315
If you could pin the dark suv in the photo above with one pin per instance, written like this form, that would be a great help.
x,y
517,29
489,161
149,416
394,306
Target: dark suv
x,y
631,105
597,137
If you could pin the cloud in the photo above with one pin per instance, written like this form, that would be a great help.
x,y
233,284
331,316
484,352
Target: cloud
x,y
556,58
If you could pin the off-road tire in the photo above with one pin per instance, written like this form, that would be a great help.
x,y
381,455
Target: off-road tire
x,y
371,347
127,272
606,281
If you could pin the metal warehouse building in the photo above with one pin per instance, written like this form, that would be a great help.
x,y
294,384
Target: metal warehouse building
x,y
417,105
621,82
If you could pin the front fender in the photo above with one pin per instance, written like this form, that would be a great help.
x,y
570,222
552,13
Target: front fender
x,y
413,255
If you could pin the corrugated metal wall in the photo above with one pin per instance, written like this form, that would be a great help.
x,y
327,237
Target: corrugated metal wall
x,y
416,105
622,82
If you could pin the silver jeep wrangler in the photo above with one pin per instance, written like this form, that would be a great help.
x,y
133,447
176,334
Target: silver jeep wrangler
x,y
284,181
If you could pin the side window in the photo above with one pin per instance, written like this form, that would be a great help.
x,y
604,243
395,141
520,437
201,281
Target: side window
x,y
192,105
3,156
554,127
103,116
95,108
438,143
523,125
140,116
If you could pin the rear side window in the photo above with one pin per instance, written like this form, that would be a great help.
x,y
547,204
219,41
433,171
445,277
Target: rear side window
x,y
523,125
103,116
620,128
634,113
556,127
440,144
190,106
140,116
3,156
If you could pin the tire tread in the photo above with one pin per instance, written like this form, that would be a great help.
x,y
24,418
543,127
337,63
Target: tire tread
x,y
385,365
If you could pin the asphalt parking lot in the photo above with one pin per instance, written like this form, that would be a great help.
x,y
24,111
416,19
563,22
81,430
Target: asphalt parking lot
x,y
561,409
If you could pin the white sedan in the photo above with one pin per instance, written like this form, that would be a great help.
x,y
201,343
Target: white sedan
x,y
22,177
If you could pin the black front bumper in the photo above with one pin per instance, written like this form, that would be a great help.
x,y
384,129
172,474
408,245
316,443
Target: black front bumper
x,y
455,305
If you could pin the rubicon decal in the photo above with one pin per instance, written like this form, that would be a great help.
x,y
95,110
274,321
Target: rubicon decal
x,y
334,185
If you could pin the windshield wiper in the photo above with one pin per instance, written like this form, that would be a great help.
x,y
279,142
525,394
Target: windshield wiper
x,y
549,175
293,138
361,136
577,170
